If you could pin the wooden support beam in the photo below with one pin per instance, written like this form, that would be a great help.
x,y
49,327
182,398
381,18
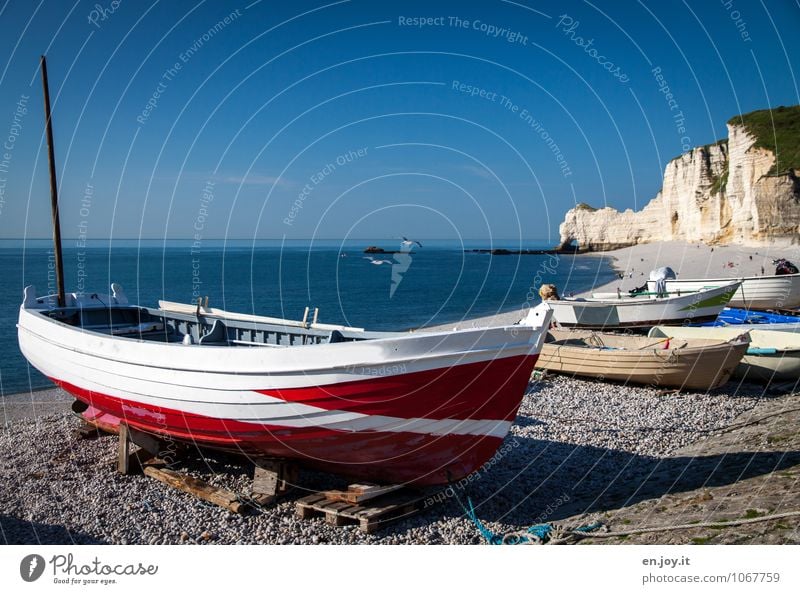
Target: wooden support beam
x,y
144,457
87,431
265,482
123,450
196,487
144,440
272,478
359,493
134,459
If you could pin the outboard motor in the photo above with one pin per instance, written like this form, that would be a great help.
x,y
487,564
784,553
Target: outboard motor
x,y
661,276
783,266
638,291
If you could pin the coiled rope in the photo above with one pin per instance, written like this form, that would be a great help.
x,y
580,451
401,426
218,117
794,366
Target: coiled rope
x,y
536,534
721,524
555,534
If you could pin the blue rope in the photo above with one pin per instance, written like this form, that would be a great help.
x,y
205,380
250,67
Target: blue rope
x,y
491,537
540,532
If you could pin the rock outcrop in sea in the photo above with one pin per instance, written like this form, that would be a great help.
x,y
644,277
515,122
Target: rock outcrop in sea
x,y
742,190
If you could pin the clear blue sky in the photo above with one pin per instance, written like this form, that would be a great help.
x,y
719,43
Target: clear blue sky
x,y
262,104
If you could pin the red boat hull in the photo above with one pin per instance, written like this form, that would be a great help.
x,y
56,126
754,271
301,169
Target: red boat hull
x,y
487,392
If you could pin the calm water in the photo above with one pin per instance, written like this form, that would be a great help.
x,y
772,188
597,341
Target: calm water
x,y
441,285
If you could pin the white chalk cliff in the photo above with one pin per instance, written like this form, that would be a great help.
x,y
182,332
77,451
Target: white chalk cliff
x,y
722,193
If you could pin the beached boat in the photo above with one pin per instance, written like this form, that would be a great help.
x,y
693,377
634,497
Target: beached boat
x,y
642,312
422,407
772,354
734,316
756,292
404,407
695,364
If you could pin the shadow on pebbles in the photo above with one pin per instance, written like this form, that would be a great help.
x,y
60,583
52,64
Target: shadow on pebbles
x,y
579,451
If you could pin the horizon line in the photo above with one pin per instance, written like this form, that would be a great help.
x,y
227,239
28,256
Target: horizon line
x,y
270,239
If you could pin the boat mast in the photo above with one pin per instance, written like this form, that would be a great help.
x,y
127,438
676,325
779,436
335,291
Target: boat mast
x,y
53,187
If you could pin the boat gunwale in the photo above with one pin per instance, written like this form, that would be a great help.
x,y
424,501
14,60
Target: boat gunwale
x,y
731,278
504,349
636,300
304,370
383,335
717,345
779,351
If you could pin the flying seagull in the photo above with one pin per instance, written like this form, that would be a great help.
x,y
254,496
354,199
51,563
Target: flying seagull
x,y
409,242
376,262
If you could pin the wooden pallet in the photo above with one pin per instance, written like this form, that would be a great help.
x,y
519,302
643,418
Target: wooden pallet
x,y
369,506
370,515
359,493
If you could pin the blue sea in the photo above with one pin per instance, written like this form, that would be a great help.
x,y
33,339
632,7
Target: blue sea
x,y
441,284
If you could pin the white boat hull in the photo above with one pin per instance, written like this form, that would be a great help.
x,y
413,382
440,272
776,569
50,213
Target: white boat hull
x,y
642,312
756,292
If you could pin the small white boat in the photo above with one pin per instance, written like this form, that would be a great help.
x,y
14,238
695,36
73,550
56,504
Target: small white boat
x,y
642,312
772,354
390,407
756,292
694,364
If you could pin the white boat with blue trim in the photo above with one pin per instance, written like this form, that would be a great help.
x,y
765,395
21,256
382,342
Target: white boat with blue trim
x,y
781,291
646,311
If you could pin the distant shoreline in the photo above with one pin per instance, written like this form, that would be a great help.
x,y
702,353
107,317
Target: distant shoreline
x,y
456,243
691,260
688,260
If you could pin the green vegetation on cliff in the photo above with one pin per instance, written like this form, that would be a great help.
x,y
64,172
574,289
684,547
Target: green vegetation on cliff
x,y
584,206
719,182
777,130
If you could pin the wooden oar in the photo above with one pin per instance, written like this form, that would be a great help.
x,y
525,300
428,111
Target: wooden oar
x,y
650,346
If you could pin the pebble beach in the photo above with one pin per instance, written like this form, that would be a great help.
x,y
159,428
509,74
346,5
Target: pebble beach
x,y
579,451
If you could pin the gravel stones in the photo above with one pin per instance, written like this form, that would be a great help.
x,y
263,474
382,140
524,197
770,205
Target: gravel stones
x,y
577,447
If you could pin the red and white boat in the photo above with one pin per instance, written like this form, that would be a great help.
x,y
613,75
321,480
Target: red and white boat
x,y
422,407
392,407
